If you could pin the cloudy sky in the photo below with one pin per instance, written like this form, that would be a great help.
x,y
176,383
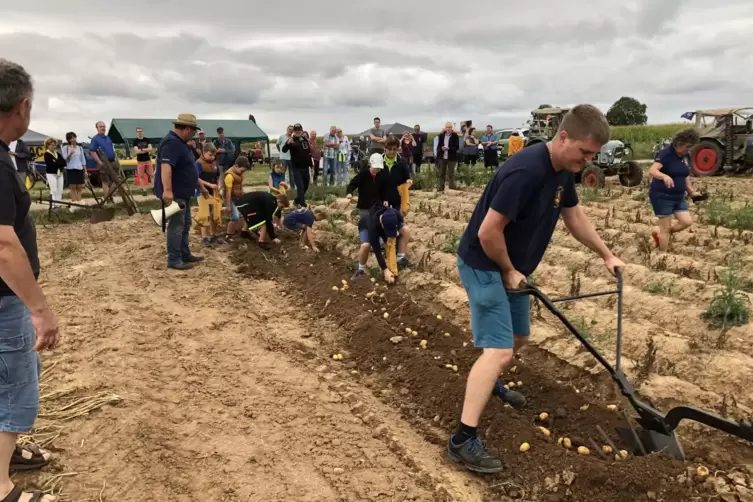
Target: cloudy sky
x,y
323,63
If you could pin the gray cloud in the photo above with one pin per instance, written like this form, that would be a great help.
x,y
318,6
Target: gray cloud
x,y
416,62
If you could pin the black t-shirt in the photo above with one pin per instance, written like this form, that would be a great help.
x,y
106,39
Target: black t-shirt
x,y
530,193
142,143
15,202
420,139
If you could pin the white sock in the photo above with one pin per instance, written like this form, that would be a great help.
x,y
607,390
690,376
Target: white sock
x,y
361,267
400,255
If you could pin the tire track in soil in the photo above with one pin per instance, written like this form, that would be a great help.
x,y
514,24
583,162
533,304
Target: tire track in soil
x,y
429,395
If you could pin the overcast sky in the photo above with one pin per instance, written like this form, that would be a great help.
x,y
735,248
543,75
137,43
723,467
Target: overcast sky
x,y
324,63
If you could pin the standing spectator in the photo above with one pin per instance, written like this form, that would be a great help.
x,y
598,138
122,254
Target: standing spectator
x,y
23,306
144,166
343,157
489,142
407,143
209,215
233,190
225,151
55,168
285,155
377,136
75,159
419,139
436,156
102,141
331,147
449,146
300,159
470,148
515,144
176,180
316,155
258,153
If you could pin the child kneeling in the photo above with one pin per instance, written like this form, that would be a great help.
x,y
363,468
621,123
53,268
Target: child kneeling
x,y
302,220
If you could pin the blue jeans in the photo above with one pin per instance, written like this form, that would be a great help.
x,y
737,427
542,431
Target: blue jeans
x,y
495,316
330,164
341,172
178,228
19,367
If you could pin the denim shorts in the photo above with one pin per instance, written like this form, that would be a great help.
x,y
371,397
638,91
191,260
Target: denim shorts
x,y
664,207
20,367
495,316
235,215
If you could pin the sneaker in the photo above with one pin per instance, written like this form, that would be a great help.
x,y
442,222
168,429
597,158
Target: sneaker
x,y
472,454
359,273
511,397
404,263
206,241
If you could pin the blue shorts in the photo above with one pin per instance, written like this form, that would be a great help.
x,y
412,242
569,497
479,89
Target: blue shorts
x,y
363,235
495,316
235,215
664,207
19,367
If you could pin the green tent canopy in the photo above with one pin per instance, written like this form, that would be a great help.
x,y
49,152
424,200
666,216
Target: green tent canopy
x,y
124,130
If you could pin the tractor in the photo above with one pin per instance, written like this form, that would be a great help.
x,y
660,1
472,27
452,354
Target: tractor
x,y
612,160
726,144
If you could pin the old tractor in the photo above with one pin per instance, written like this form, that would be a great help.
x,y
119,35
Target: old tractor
x,y
726,144
614,159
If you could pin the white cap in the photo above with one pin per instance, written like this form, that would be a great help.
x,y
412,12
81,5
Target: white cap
x,y
376,161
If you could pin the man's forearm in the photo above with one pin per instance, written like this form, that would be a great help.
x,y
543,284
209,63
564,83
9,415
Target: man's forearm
x,y
96,158
585,233
16,272
495,248
167,177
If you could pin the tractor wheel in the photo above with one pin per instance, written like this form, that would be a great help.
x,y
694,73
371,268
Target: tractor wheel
x,y
631,175
706,158
592,177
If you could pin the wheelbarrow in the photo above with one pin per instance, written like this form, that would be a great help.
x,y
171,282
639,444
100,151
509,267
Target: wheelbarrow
x,y
654,431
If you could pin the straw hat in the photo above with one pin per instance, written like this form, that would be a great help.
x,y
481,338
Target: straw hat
x,y
186,119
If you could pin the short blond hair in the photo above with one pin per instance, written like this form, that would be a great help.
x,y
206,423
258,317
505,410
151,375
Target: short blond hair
x,y
585,122
49,140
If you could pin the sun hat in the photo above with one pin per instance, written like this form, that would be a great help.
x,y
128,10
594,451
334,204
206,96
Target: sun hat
x,y
186,119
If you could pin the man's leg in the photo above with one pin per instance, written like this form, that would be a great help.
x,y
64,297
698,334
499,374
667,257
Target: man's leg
x,y
492,327
451,174
363,254
441,175
19,390
300,198
333,169
402,247
174,236
306,181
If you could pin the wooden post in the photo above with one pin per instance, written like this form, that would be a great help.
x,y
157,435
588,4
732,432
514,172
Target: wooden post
x,y
119,180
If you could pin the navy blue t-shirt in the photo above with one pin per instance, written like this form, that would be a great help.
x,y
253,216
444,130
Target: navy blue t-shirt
x,y
676,167
301,216
530,193
176,152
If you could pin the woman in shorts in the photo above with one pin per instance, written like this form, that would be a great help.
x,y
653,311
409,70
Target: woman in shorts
x,y
669,186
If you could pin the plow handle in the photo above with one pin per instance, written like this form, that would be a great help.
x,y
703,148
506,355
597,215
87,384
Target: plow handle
x,y
742,429
531,290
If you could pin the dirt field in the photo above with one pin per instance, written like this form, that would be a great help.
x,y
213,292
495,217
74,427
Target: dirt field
x,y
219,383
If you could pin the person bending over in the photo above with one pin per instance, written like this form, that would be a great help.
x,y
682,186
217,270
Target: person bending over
x,y
302,220
258,209
383,224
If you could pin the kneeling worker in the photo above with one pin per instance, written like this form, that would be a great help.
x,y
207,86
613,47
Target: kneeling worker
x,y
258,209
302,220
383,224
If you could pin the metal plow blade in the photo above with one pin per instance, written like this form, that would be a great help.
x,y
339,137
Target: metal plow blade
x,y
100,215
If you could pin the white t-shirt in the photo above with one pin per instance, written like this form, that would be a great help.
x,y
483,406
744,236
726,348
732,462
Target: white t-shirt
x,y
12,148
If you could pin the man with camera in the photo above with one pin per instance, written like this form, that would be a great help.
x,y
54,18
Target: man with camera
x,y
300,161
